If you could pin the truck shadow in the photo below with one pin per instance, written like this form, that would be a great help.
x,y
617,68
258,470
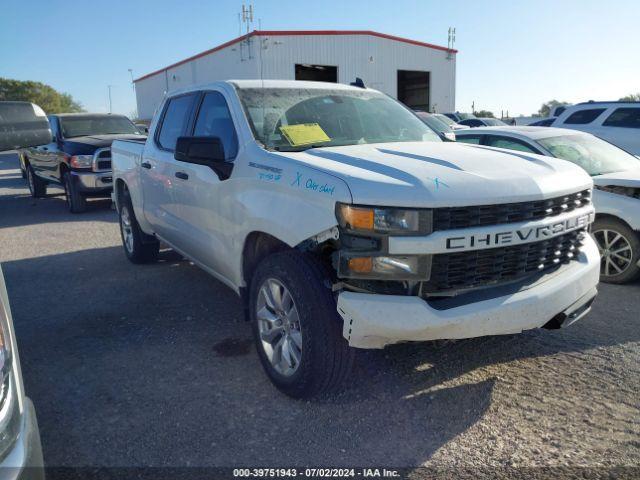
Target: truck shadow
x,y
107,347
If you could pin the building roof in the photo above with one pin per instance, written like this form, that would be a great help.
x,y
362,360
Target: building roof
x,y
274,33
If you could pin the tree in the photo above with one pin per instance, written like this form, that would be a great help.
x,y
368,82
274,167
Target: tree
x,y
546,108
484,114
43,95
634,97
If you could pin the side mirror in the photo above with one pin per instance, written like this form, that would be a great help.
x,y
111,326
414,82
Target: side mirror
x,y
207,151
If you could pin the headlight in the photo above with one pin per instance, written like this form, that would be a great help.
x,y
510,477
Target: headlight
x,y
382,220
81,161
9,405
395,267
450,136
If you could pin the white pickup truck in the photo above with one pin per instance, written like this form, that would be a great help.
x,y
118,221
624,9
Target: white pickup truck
x,y
342,221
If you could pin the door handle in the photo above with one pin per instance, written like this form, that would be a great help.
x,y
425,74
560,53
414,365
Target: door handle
x,y
146,165
182,175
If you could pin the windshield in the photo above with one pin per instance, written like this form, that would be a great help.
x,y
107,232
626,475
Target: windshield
x,y
493,122
444,119
84,125
466,116
596,156
301,118
434,122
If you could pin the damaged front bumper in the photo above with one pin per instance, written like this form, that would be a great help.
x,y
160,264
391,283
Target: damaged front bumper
x,y
374,321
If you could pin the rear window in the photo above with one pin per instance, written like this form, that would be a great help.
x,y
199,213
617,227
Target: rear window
x,y
624,117
582,117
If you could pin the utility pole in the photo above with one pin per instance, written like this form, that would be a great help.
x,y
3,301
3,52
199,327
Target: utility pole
x,y
133,87
110,105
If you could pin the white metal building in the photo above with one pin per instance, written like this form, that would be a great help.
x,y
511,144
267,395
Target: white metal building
x,y
419,74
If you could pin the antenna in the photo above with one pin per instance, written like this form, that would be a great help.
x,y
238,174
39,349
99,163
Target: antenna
x,y
246,18
451,42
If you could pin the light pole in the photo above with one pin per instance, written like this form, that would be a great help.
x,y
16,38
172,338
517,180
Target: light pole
x,y
110,105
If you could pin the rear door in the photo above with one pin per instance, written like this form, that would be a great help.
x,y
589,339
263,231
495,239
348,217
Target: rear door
x,y
205,232
158,168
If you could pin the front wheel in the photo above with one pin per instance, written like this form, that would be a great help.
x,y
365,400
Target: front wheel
x,y
297,330
76,202
619,248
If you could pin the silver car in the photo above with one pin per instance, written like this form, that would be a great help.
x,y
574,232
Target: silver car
x,y
20,450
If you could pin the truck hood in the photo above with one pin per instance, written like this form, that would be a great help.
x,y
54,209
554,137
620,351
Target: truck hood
x,y
628,178
90,143
431,174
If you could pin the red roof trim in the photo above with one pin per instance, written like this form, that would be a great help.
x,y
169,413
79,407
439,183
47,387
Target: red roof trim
x,y
299,33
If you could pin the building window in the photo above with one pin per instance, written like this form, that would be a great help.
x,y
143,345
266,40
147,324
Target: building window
x,y
317,73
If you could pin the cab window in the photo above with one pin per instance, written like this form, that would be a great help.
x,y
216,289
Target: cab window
x,y
174,121
509,144
474,139
582,117
214,120
624,117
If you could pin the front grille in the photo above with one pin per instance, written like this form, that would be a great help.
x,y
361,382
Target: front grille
x,y
466,270
464,217
104,164
103,160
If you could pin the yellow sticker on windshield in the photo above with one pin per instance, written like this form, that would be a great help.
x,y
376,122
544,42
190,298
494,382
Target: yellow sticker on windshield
x,y
304,134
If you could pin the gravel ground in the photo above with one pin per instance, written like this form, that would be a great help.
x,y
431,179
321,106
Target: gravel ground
x,y
154,366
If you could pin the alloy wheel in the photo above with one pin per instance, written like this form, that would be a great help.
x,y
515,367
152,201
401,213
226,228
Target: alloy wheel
x,y
127,229
615,252
279,327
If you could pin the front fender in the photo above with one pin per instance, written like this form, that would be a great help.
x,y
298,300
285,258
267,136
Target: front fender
x,y
625,208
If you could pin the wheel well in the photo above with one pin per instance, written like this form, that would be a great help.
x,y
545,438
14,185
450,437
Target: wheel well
x,y
257,247
120,189
607,216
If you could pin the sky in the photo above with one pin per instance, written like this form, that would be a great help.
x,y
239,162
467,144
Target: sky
x,y
514,55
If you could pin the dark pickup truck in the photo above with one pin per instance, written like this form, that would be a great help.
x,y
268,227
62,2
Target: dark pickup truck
x,y
78,157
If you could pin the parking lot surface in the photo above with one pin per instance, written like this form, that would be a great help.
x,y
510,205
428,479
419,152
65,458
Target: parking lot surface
x,y
154,365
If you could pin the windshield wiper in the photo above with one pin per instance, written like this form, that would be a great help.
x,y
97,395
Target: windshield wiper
x,y
301,148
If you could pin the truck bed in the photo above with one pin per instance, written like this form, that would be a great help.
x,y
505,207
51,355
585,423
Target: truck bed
x,y
126,156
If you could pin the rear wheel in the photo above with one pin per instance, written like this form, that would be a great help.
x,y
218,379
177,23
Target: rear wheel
x,y
138,246
619,250
37,186
297,330
76,202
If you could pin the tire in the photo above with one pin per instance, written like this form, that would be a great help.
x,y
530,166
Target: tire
x,y
619,248
23,172
37,186
138,246
76,202
319,357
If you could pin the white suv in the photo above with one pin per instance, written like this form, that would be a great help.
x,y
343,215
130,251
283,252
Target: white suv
x,y
615,122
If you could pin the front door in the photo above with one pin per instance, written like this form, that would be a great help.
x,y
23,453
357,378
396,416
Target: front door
x,y
199,190
158,168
